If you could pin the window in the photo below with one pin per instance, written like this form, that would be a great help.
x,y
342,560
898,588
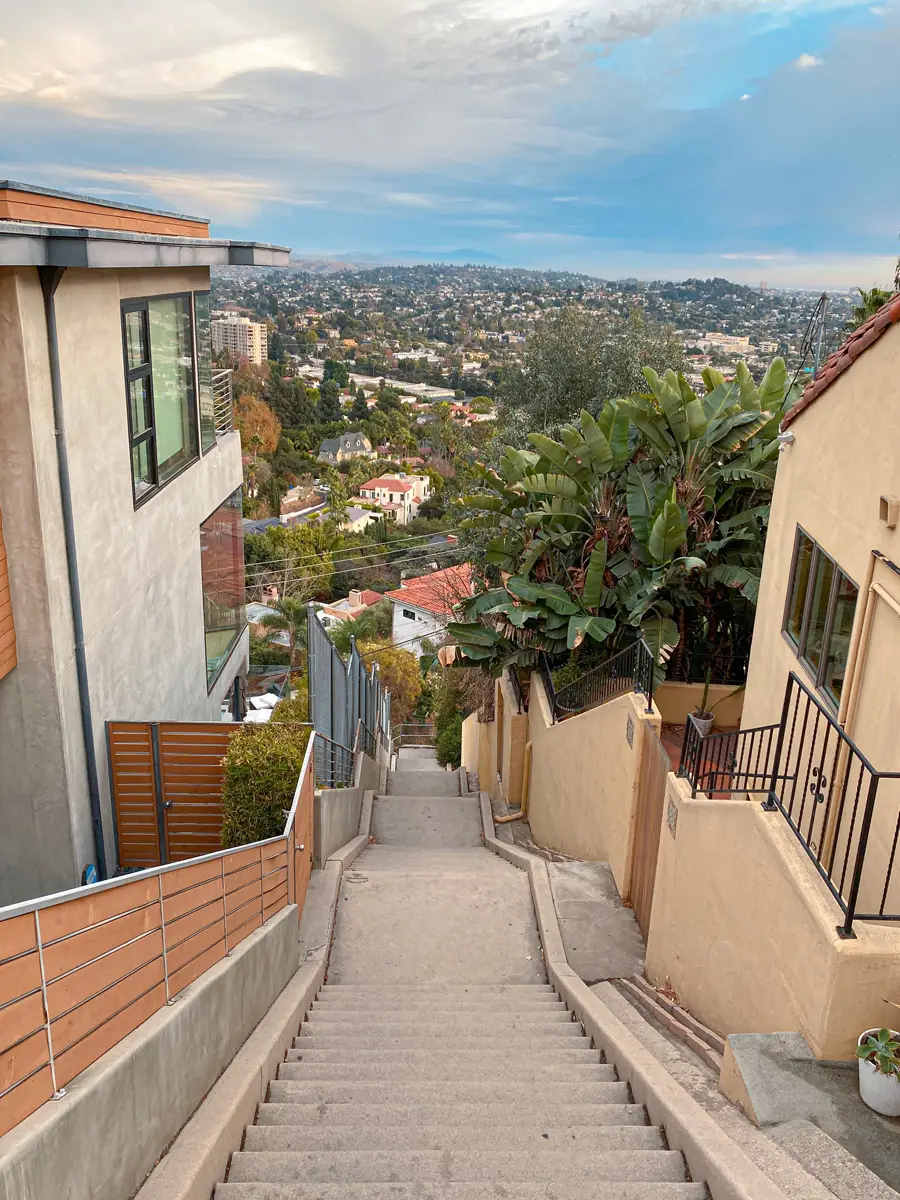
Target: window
x,y
409,614
818,617
203,340
159,374
222,571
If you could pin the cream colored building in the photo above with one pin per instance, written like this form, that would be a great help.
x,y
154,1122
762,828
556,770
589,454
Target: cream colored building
x,y
241,337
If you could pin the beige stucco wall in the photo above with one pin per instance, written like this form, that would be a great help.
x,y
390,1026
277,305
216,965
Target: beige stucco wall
x,y
515,737
139,570
584,780
487,757
676,700
844,457
471,735
745,932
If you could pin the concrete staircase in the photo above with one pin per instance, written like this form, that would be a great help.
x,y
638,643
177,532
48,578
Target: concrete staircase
x,y
437,1062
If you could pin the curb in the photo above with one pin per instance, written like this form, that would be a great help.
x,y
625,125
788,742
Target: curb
x,y
198,1158
711,1155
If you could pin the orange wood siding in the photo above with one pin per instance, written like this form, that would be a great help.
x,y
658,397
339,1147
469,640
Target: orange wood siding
x,y
7,628
59,210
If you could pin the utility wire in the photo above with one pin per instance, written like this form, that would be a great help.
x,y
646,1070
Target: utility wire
x,y
380,548
301,578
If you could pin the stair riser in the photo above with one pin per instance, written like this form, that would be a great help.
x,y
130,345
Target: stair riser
x,y
266,1138
372,1092
306,1050
437,989
497,1166
529,1115
439,1070
443,1019
414,1033
459,1191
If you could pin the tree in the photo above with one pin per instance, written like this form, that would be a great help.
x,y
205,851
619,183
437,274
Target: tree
x,y
399,673
647,521
360,410
371,626
869,303
276,347
289,617
336,370
329,401
259,428
577,360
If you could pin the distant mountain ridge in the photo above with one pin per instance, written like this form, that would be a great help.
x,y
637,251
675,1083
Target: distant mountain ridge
x,y
465,256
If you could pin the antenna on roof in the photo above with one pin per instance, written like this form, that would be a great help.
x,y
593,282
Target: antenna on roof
x,y
813,343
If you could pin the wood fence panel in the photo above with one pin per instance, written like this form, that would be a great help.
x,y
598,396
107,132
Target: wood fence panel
x,y
7,626
191,770
655,766
134,793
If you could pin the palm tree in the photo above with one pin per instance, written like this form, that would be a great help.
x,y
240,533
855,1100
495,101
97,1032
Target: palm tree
x,y
289,617
870,302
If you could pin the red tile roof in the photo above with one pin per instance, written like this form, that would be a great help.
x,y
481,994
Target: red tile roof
x,y
436,593
836,364
369,597
392,485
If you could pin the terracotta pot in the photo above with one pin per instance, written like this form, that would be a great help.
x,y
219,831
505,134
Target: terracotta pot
x,y
879,1091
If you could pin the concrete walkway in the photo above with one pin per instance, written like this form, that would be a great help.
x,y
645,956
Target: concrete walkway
x,y
438,1062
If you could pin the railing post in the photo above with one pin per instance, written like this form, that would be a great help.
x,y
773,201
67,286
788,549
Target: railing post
x,y
225,911
771,803
162,929
846,930
58,1092
262,895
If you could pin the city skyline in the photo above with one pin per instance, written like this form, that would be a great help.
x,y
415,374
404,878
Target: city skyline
x,y
742,138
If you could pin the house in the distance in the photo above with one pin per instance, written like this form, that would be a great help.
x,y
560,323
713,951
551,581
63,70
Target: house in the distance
x,y
424,606
343,448
122,580
352,605
398,496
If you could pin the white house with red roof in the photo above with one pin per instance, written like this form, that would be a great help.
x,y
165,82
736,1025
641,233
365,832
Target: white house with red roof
x,y
424,606
397,495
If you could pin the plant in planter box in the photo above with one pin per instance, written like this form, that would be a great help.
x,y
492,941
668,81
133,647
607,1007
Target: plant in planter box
x,y
878,1052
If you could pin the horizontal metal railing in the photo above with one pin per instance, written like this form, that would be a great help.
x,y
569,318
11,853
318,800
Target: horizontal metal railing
x,y
413,735
334,763
223,401
737,760
79,970
693,666
631,670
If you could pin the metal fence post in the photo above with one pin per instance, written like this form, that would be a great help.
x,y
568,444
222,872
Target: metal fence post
x,y
162,927
58,1092
262,897
845,931
225,911
771,803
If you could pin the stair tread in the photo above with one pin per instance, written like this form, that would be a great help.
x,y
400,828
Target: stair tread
x,y
625,1190
310,1050
441,1069
464,1115
371,1091
496,1165
536,1139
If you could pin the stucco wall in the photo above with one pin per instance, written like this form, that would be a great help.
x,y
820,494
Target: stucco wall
x,y
744,931
336,811
139,570
676,700
471,732
515,737
584,780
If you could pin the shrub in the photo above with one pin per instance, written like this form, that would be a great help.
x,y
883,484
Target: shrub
x,y
448,744
262,766
267,654
296,708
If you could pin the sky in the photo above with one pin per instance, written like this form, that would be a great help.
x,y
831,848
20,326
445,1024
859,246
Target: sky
x,y
753,139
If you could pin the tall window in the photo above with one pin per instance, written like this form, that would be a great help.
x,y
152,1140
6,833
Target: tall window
x,y
159,372
203,339
818,619
222,570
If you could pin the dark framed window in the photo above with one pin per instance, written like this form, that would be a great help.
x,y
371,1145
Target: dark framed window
x,y
159,378
818,616
203,349
222,572
410,616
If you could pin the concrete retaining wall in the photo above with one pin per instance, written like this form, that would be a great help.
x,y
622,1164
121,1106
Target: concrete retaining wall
x,y
103,1138
585,773
336,810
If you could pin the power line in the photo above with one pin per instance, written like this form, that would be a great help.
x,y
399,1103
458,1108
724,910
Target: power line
x,y
301,578
414,553
382,548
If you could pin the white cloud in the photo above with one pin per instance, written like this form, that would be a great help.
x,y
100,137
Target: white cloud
x,y
806,62
746,96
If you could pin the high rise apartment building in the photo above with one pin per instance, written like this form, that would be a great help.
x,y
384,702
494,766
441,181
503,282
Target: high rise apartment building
x,y
243,337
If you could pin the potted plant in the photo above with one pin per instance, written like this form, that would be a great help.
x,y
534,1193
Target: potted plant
x,y
705,717
878,1052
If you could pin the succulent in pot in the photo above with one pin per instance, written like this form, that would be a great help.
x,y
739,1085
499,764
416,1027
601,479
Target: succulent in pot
x,y
878,1052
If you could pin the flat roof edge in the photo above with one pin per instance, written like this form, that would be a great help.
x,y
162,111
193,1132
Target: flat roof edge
x,y
14,185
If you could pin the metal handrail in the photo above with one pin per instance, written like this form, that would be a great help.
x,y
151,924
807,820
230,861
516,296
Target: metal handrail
x,y
516,688
631,669
223,401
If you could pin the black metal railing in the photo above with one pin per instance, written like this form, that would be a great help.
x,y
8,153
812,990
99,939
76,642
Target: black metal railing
x,y
631,670
738,760
334,763
693,665
844,812
516,688
366,740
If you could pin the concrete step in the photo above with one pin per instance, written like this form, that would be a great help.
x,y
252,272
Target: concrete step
x,y
440,989
311,1051
463,1002
371,1091
454,1138
415,1033
489,1166
419,784
439,1010
460,1191
440,1068
449,1019
531,1113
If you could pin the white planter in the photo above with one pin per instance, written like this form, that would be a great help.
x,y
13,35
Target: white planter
x,y
881,1092
704,724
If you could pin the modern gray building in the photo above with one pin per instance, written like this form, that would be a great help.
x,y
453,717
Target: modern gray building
x,y
120,495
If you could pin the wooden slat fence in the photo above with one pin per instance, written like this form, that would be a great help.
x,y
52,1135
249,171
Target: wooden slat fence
x,y
81,970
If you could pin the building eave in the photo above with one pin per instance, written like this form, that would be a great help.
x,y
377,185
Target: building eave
x,y
25,245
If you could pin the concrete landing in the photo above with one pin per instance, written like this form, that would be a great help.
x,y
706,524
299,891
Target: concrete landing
x,y
601,936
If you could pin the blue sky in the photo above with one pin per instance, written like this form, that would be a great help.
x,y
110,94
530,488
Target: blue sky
x,y
657,138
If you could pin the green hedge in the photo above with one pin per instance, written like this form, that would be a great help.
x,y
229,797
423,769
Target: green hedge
x,y
448,744
295,709
262,767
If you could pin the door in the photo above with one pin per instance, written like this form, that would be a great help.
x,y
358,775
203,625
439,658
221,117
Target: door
x,y
655,766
